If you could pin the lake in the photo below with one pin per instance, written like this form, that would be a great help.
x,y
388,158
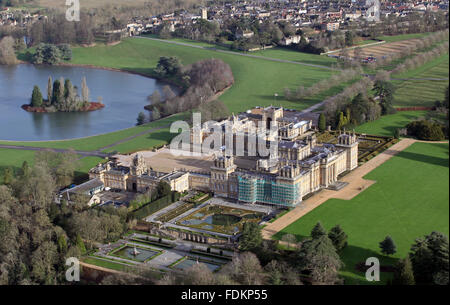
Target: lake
x,y
123,94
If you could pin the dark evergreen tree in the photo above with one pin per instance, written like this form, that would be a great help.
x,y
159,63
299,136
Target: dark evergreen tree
x,y
318,231
429,257
36,97
403,274
317,258
251,237
338,237
322,122
140,119
387,246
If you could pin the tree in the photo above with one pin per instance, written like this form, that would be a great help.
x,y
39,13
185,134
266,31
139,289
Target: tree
x,y
385,91
318,259
66,51
168,66
25,169
80,244
426,130
403,274
7,52
338,237
156,115
84,90
155,98
318,231
163,189
251,237
36,97
49,89
245,269
388,246
322,122
47,54
429,258
348,38
8,176
141,118
58,93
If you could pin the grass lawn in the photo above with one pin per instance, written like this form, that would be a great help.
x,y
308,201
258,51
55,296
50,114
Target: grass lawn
x,y
436,68
402,37
14,158
97,142
256,80
106,264
386,125
422,92
409,200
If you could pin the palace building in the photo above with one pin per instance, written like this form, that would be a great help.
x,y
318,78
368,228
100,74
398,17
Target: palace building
x,y
298,167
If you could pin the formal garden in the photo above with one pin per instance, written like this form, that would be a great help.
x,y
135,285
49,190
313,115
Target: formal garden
x,y
221,219
369,145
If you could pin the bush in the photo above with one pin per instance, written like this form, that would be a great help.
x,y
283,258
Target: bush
x,y
156,205
426,130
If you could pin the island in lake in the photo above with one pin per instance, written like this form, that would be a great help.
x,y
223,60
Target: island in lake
x,y
62,96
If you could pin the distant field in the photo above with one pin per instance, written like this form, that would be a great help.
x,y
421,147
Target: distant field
x,y
386,125
409,200
383,49
436,68
396,38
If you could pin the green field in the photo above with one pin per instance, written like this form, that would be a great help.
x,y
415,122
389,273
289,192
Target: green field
x,y
436,68
256,80
402,37
409,200
418,91
97,142
386,125
14,158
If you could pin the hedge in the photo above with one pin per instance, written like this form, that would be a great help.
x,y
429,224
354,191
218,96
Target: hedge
x,y
156,205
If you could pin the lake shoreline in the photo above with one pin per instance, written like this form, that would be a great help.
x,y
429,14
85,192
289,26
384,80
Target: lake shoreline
x,y
92,107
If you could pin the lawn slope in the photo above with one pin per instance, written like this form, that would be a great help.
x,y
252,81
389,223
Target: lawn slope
x,y
409,200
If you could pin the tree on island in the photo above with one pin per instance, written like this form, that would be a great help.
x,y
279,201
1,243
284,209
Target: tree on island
x,y
388,246
62,95
84,90
36,97
49,88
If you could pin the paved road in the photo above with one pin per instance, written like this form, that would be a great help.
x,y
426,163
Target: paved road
x,y
238,53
